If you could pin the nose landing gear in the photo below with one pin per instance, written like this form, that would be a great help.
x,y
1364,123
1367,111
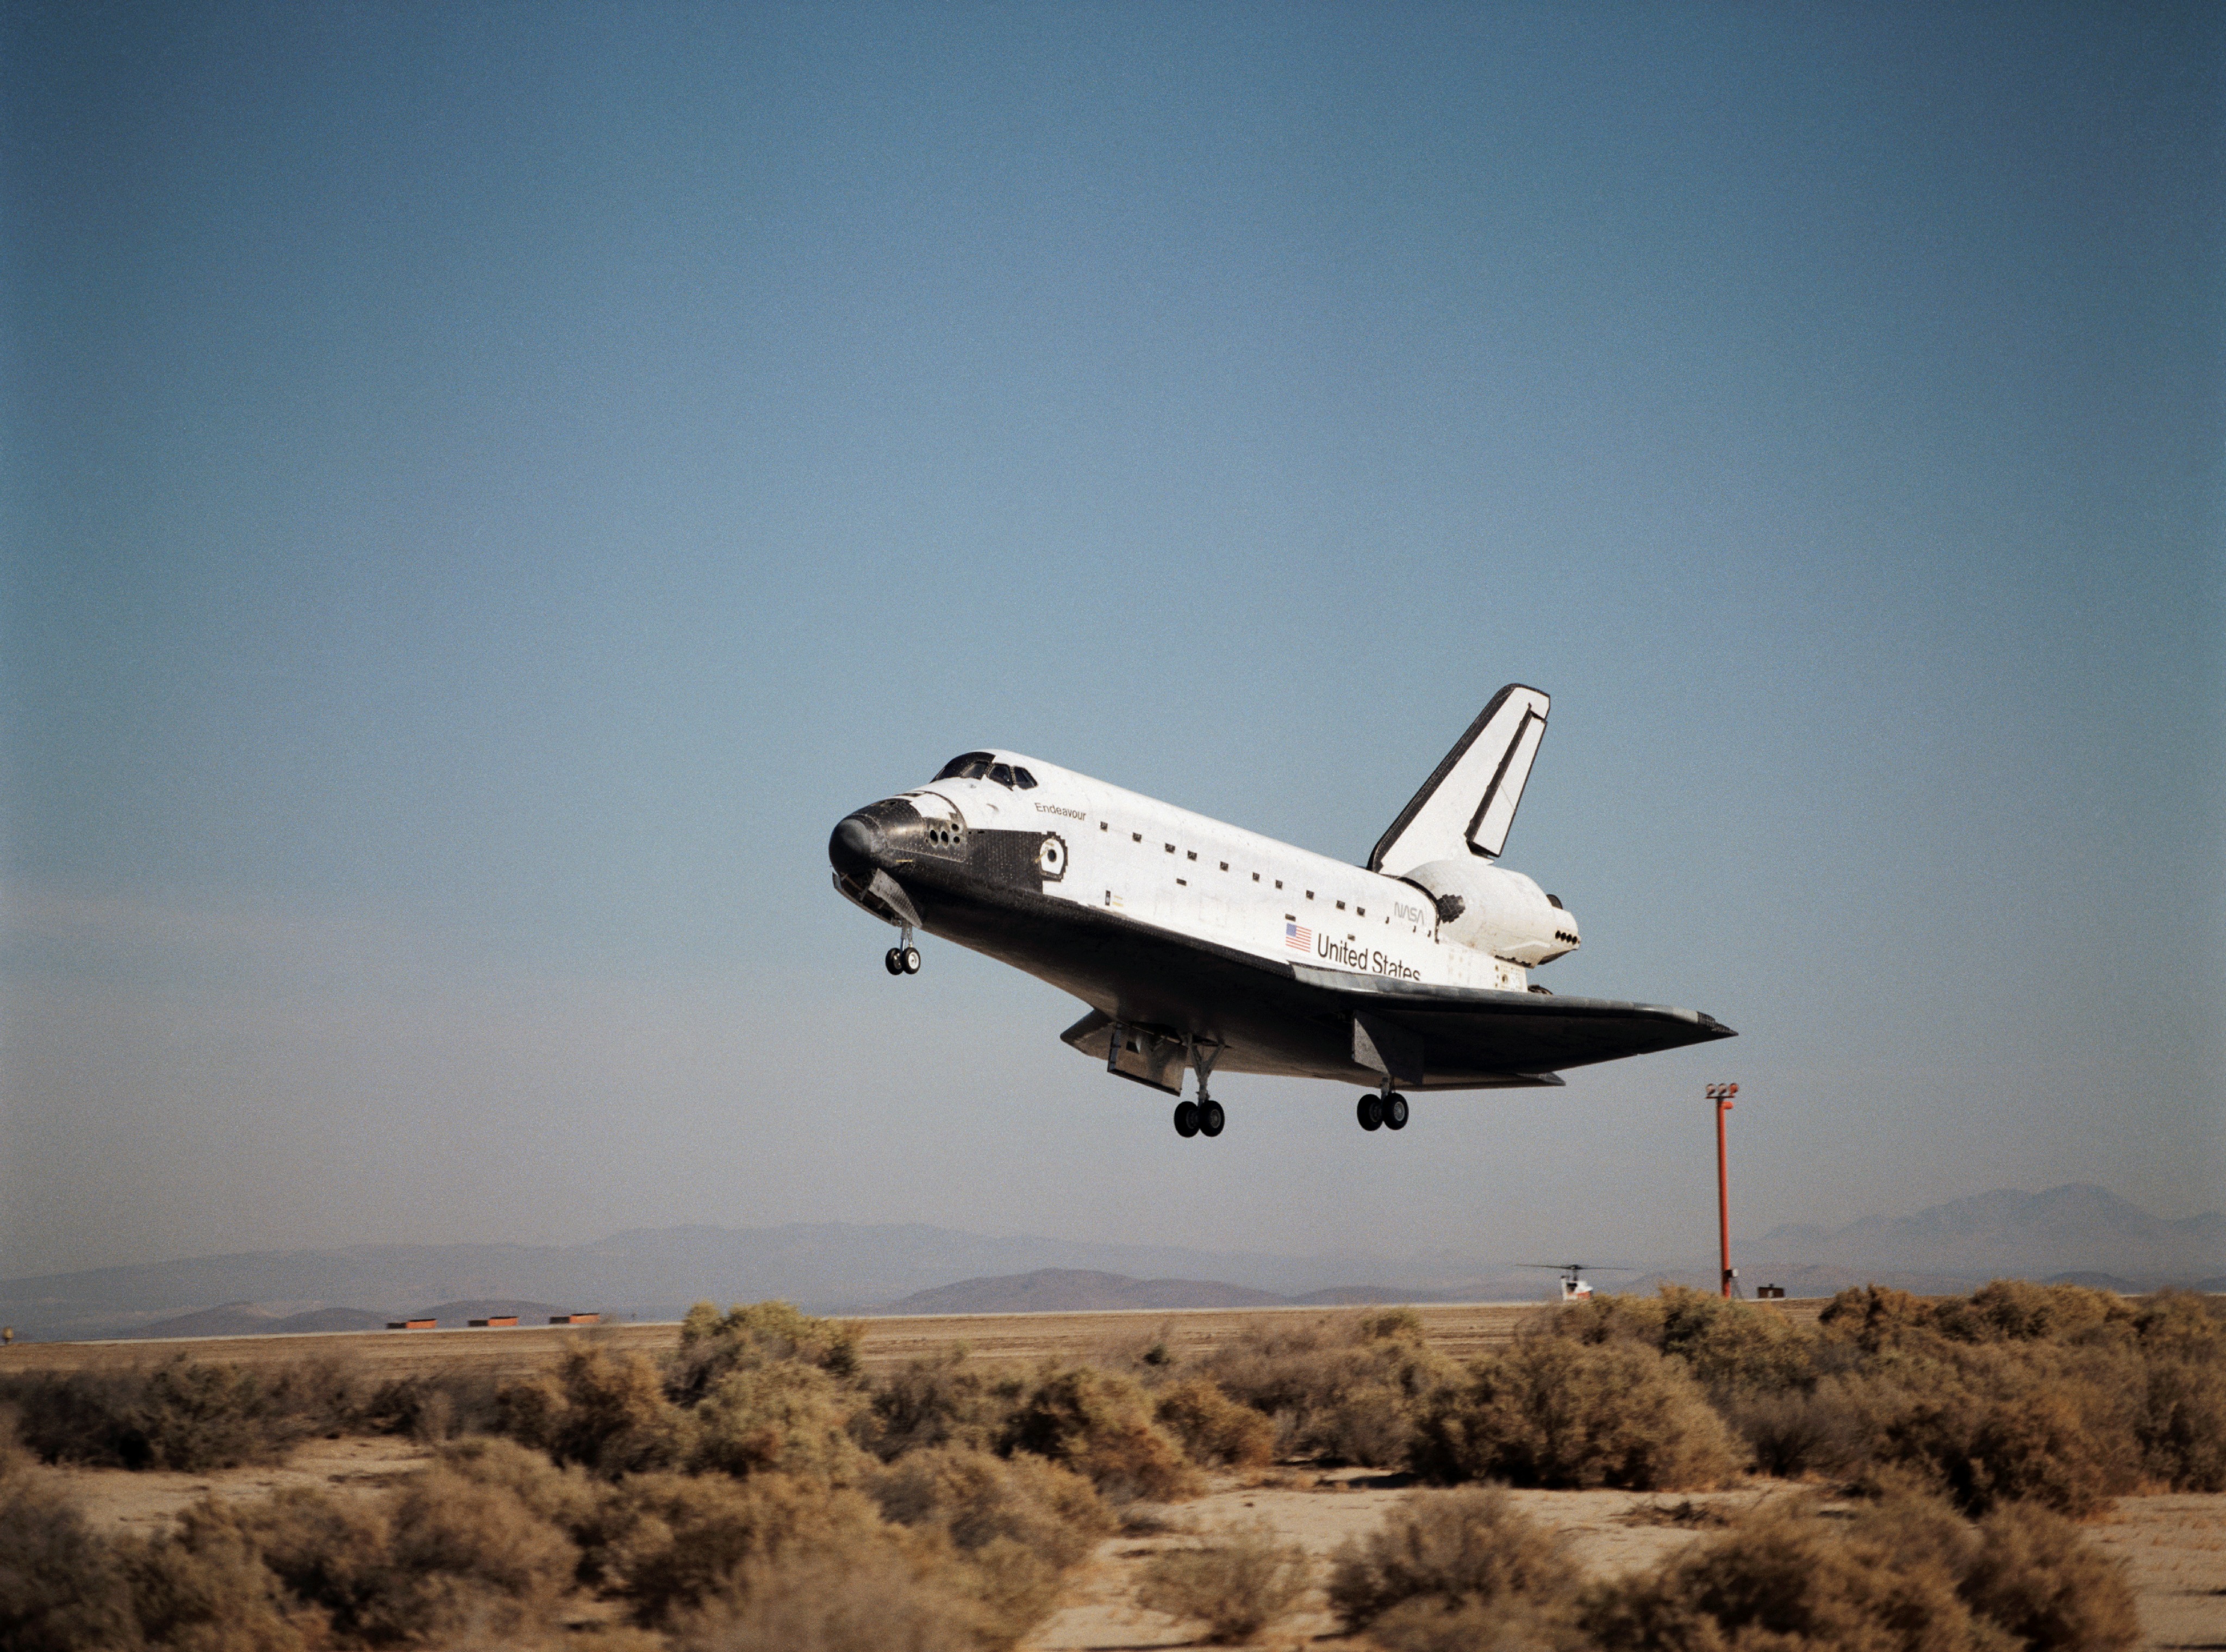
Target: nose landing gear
x,y
902,960
1387,1111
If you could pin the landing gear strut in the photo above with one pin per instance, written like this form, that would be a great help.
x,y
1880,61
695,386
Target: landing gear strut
x,y
1203,1116
902,960
1378,1112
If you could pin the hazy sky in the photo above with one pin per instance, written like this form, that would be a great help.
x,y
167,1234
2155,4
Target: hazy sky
x,y
486,487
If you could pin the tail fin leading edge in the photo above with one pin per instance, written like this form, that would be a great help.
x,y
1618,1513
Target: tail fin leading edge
x,y
1468,804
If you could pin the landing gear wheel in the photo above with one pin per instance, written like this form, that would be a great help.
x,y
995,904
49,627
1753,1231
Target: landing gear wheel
x,y
1395,1111
1209,1118
1371,1112
910,959
894,961
1186,1120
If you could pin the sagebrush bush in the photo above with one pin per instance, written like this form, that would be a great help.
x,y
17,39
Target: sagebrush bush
x,y
820,1602
2035,1577
943,1401
667,1543
975,1499
610,1415
1555,1411
1794,1431
1101,1426
1447,1550
1906,1574
61,1587
1213,1428
713,1345
1236,1583
1347,1386
783,1417
184,1415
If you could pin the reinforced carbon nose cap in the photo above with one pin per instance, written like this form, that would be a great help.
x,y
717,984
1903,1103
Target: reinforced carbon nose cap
x,y
854,850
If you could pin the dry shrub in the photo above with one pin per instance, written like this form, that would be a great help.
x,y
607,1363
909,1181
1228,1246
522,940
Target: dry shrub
x,y
183,1414
669,1544
2011,1310
1101,1426
938,1402
608,1415
1998,1423
457,1542
2181,1429
713,1345
1552,1411
432,1405
785,1417
1237,1583
329,1553
1345,1387
2035,1577
975,1499
1794,1431
205,1586
565,1497
442,1553
1003,1531
62,1585
1446,1551
822,1602
1213,1428
1872,1317
1907,1574
1724,1344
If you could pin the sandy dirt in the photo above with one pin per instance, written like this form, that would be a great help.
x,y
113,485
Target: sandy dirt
x,y
146,1500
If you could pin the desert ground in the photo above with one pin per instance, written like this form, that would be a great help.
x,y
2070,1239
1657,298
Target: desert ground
x,y
1459,1329
2174,1545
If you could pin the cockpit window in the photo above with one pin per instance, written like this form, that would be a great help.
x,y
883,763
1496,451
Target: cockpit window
x,y
1023,780
967,765
1001,774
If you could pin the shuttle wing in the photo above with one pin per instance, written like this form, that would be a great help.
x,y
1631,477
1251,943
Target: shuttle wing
x,y
1462,1029
1467,806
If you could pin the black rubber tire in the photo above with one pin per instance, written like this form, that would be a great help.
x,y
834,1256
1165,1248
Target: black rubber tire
x,y
1186,1119
893,961
1370,1112
1395,1112
912,961
1210,1118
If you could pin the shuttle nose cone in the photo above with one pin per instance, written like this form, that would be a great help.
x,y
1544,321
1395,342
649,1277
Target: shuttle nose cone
x,y
854,850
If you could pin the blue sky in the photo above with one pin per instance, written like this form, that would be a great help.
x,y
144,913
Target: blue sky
x,y
486,487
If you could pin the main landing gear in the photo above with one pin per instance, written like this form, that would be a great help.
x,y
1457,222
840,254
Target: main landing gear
x,y
1377,1112
902,960
1201,1117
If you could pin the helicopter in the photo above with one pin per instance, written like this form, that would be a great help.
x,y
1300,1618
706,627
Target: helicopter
x,y
1574,1287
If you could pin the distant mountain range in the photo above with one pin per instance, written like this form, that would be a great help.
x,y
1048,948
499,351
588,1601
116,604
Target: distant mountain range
x,y
1081,1290
843,1267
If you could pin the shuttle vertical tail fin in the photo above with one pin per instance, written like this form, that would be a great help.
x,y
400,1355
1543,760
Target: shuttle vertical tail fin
x,y
1468,804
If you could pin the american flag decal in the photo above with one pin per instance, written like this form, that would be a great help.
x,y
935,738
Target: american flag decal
x,y
1298,938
